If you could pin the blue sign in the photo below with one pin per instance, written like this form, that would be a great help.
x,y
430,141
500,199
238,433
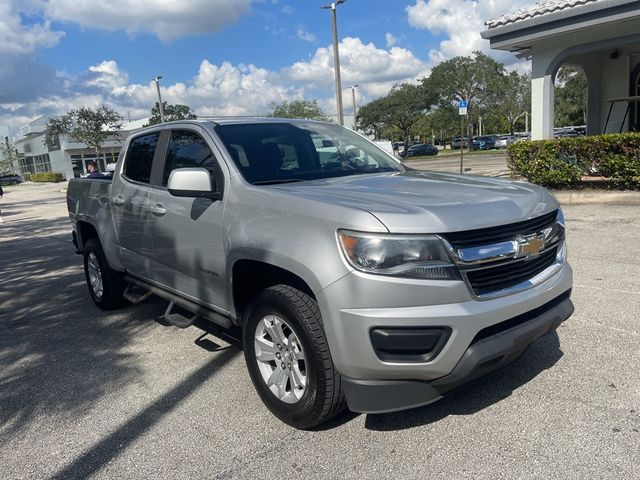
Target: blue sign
x,y
462,107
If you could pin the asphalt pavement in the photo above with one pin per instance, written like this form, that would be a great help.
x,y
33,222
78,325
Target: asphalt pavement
x,y
85,393
492,164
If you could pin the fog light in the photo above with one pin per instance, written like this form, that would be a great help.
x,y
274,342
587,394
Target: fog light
x,y
416,345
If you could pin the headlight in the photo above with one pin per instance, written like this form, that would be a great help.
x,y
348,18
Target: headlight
x,y
423,257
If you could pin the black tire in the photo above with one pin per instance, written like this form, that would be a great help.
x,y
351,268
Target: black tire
x,y
323,398
113,282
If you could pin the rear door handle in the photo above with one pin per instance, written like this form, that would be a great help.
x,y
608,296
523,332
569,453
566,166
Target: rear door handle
x,y
117,200
158,209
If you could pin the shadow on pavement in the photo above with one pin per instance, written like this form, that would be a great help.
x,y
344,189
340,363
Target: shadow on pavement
x,y
59,354
541,355
108,448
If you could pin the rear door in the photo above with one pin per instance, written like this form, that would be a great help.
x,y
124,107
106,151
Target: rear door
x,y
130,202
188,240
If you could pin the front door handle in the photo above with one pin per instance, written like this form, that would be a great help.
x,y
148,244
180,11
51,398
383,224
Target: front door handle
x,y
117,200
158,209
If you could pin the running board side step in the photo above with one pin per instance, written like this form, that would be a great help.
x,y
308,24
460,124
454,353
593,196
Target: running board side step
x,y
135,297
178,320
215,317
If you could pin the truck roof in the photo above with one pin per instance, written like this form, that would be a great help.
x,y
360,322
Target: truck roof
x,y
239,120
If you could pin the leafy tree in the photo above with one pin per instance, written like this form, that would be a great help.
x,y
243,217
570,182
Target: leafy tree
x,y
370,118
8,158
403,108
513,97
305,109
441,123
86,125
171,113
571,97
475,79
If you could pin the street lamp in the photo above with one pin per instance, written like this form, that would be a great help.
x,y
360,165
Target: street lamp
x,y
157,80
336,58
353,96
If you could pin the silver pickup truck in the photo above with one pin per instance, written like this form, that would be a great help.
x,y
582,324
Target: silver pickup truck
x,y
356,280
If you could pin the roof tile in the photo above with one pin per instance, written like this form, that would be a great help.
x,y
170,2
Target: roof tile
x,y
543,7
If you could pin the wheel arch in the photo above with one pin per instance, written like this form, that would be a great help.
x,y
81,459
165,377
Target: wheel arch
x,y
250,276
86,230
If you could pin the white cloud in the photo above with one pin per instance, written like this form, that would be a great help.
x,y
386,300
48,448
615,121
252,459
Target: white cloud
x,y
230,89
168,19
461,21
287,10
21,76
306,36
359,63
236,90
18,38
390,39
108,75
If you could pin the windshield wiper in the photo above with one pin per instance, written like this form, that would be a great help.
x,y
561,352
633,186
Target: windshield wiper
x,y
275,181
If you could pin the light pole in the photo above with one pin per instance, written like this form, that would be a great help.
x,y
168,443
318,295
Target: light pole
x,y
353,96
160,108
336,58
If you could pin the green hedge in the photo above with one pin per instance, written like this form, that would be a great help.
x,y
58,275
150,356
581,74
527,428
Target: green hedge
x,y
563,162
45,177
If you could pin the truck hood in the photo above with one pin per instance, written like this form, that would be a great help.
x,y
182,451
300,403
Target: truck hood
x,y
430,202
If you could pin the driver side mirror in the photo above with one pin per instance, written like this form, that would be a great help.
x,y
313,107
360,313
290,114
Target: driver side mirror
x,y
193,183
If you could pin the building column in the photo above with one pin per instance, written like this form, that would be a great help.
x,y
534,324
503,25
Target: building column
x,y
542,91
542,96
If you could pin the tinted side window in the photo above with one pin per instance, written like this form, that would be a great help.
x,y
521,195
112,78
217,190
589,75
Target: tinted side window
x,y
139,160
188,150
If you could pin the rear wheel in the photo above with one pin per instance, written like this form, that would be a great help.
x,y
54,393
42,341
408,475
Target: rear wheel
x,y
105,285
288,357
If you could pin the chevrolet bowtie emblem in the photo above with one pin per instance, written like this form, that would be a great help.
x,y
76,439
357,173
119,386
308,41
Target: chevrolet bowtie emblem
x,y
528,247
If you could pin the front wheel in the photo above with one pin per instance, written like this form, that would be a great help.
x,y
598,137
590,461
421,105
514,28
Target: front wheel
x,y
105,285
288,357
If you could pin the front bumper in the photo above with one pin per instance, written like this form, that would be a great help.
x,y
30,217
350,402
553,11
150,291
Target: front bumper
x,y
358,304
487,354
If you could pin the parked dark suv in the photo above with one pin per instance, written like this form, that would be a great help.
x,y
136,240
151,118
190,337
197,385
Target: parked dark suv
x,y
419,150
10,180
456,142
485,142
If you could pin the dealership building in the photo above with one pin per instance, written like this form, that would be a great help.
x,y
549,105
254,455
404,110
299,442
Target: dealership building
x,y
602,37
65,154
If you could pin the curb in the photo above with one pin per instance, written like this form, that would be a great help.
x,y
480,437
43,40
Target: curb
x,y
606,198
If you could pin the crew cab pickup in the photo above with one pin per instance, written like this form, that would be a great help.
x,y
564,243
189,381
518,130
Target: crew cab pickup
x,y
357,281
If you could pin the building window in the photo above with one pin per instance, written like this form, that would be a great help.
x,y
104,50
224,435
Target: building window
x,y
36,164
76,163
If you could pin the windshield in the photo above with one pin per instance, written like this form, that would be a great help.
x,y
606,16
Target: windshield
x,y
268,153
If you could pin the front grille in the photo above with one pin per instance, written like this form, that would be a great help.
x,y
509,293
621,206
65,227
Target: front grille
x,y
505,275
502,233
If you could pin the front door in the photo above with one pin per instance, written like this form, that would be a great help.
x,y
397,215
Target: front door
x,y
188,241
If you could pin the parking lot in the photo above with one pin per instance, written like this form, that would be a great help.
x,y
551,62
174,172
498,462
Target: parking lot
x,y
120,395
492,163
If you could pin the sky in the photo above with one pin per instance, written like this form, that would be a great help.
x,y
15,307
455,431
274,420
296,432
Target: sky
x,y
223,57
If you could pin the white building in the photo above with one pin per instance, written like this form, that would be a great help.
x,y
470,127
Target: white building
x,y
600,36
65,155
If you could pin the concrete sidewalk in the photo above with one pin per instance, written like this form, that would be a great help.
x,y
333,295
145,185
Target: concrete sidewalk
x,y
603,197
